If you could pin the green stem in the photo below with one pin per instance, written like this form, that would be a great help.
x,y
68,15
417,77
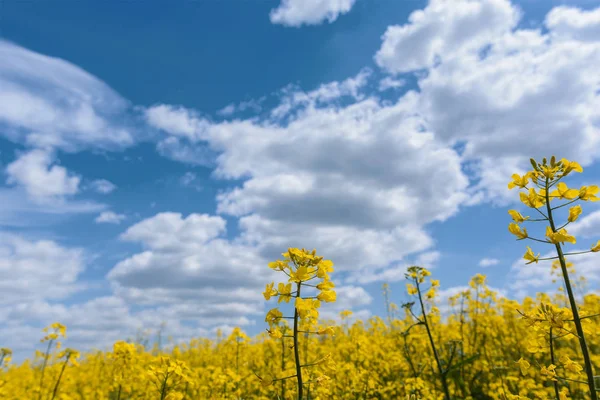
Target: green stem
x,y
163,389
553,361
435,353
60,376
44,367
296,350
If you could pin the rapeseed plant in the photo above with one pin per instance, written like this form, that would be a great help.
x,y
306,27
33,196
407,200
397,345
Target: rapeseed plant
x,y
545,176
305,267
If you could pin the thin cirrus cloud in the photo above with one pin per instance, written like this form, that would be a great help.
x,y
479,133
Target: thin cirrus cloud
x,y
39,92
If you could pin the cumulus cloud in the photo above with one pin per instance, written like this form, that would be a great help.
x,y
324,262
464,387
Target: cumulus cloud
x,y
573,23
110,217
444,28
187,268
489,85
40,179
295,13
27,267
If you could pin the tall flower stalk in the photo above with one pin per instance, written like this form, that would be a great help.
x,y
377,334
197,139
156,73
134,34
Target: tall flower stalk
x,y
306,267
417,276
545,176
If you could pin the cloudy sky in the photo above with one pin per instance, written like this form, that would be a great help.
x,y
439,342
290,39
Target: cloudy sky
x,y
155,158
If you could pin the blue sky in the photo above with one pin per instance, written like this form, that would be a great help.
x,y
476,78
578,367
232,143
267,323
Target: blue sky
x,y
156,157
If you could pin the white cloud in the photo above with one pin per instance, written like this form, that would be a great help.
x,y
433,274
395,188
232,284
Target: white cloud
x,y
18,210
294,100
392,273
444,28
587,226
348,298
37,270
351,203
103,186
295,13
34,172
187,178
178,121
49,102
181,150
390,83
189,269
572,23
228,110
488,262
528,95
253,105
428,259
109,217
536,277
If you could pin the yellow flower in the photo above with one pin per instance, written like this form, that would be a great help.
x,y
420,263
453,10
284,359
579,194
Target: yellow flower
x,y
519,181
523,365
589,193
327,296
326,331
570,365
569,166
285,292
307,308
278,265
560,236
266,381
273,315
517,217
549,371
300,275
596,247
269,291
530,256
275,333
533,199
411,289
325,285
563,192
323,268
516,230
574,213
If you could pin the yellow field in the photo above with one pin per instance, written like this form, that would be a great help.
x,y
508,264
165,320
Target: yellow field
x,y
481,347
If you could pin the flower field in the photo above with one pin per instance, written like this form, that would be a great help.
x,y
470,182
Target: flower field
x,y
477,345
